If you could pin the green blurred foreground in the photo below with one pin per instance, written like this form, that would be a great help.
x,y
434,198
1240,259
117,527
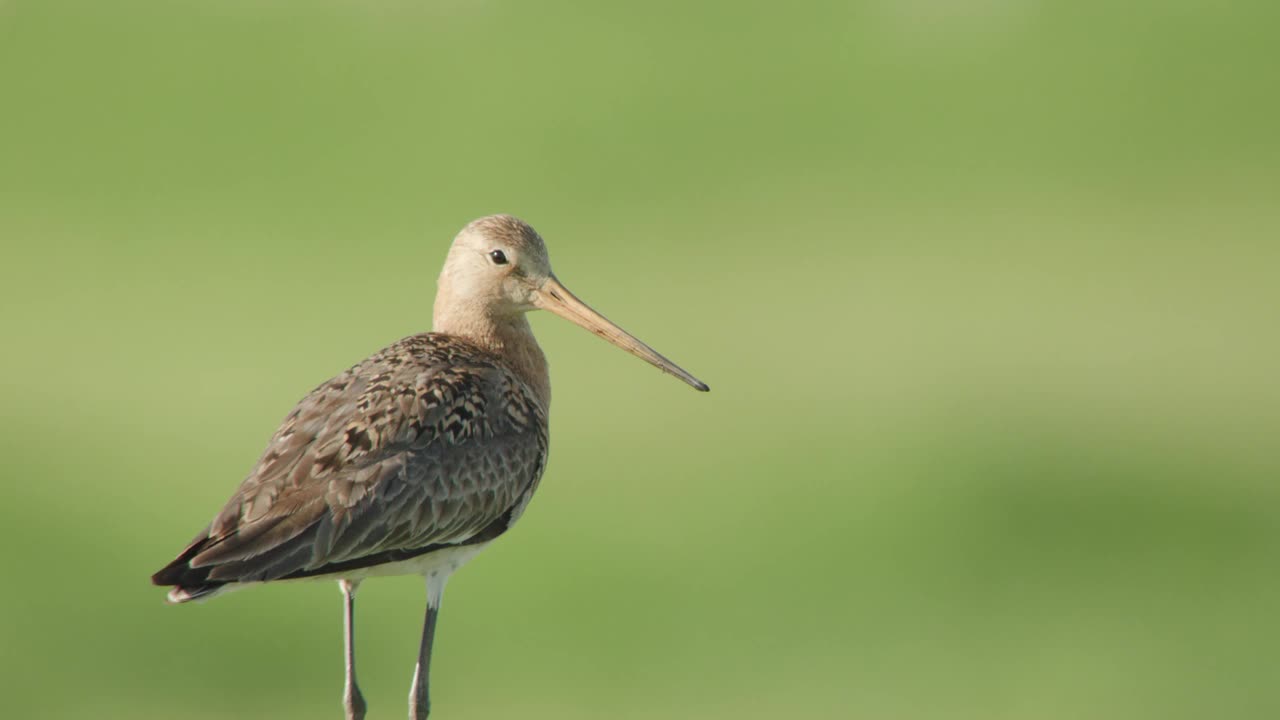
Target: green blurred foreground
x,y
986,294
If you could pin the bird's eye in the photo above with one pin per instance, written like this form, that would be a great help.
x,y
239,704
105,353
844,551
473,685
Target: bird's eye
x,y
498,257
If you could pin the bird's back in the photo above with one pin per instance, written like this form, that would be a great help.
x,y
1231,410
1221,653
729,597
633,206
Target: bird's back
x,y
430,443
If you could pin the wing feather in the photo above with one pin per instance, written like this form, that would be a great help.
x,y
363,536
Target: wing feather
x,y
426,443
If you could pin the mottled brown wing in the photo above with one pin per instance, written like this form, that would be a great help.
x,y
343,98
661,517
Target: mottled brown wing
x,y
427,443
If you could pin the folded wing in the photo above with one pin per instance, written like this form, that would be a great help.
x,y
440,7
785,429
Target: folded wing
x,y
427,444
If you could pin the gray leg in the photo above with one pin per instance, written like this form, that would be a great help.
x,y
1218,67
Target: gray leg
x,y
352,700
419,695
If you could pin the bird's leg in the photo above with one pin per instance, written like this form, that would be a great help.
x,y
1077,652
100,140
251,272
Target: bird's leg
x,y
352,700
419,695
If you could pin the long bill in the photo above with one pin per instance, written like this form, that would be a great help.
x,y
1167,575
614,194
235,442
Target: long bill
x,y
556,298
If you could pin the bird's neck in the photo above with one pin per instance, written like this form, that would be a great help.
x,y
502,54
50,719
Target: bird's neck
x,y
508,336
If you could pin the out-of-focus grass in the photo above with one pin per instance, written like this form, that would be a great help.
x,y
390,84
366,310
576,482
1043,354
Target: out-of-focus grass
x,y
986,295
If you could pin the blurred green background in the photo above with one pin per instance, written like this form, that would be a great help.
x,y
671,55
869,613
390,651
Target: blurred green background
x,y
986,293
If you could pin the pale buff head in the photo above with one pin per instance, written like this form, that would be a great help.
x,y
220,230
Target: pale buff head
x,y
498,269
498,261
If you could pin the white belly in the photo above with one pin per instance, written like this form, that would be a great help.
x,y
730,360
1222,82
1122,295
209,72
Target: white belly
x,y
440,562
436,567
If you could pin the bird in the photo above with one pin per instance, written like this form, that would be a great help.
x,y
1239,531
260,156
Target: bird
x,y
414,459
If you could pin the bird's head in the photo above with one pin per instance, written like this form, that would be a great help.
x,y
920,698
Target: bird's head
x,y
498,268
